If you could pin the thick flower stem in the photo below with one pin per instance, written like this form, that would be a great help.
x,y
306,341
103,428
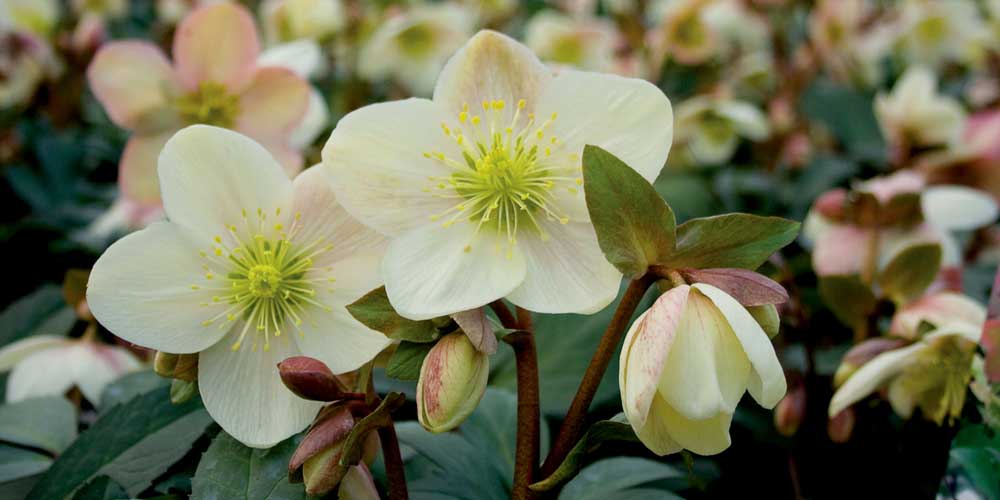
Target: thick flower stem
x,y
573,426
393,463
528,413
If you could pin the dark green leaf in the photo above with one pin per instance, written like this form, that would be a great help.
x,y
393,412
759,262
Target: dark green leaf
x,y
849,115
46,423
133,443
374,311
610,477
732,240
231,471
100,488
130,386
42,311
406,361
910,272
982,467
849,299
616,429
635,227
16,463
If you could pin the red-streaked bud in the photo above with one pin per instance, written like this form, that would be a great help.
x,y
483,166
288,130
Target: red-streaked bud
x,y
327,433
357,484
452,381
310,379
841,426
791,411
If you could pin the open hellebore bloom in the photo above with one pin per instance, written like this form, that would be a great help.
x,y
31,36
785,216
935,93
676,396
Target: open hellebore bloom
x,y
936,310
915,115
479,189
251,269
452,382
414,45
214,80
49,365
587,44
26,60
711,127
934,32
932,374
289,20
686,363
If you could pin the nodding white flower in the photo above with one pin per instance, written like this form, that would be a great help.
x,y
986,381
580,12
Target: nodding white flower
x,y
289,20
479,189
587,44
932,374
36,16
937,309
914,114
412,47
50,365
685,365
934,32
711,127
251,268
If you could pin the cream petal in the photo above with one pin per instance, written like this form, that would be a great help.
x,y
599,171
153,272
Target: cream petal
x,y
137,176
567,273
872,375
840,250
491,66
274,103
375,158
44,373
15,352
244,394
216,43
211,177
287,155
655,430
141,290
767,379
937,309
95,366
644,353
628,117
357,484
435,271
958,208
706,372
707,436
135,83
304,57
901,398
749,121
314,122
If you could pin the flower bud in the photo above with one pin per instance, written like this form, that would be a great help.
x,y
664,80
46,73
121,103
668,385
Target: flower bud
x,y
316,461
831,204
841,426
452,381
357,484
177,366
791,411
767,317
310,379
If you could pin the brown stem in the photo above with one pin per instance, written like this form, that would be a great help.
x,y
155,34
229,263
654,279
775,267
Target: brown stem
x,y
528,412
504,315
393,463
572,426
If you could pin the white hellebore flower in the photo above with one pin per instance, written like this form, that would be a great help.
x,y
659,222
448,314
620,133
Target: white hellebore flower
x,y
251,269
686,363
914,114
711,127
49,365
479,188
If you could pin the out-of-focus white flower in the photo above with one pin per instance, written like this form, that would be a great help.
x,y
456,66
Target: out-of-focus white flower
x,y
587,44
49,365
289,20
304,58
37,16
711,127
413,46
695,31
685,365
915,114
479,188
933,32
26,60
251,268
489,12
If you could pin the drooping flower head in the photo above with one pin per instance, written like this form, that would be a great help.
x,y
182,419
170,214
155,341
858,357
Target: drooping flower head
x,y
250,269
214,80
480,189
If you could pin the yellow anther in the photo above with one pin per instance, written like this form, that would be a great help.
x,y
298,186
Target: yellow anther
x,y
427,155
463,116
218,239
486,105
467,249
278,227
498,105
195,287
521,103
209,276
475,120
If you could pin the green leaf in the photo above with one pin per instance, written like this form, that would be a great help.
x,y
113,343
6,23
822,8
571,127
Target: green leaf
x,y
132,443
982,467
616,429
612,477
16,463
731,240
130,386
42,311
850,300
910,272
406,361
100,488
849,115
47,423
635,227
374,311
231,471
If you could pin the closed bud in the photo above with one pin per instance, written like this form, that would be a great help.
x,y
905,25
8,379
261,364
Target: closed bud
x,y
831,204
452,381
310,379
357,484
841,426
176,366
322,472
791,411
767,317
164,364
316,461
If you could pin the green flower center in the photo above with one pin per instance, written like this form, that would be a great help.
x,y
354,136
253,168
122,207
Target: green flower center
x,y
567,49
269,282
938,380
505,179
211,104
417,40
932,29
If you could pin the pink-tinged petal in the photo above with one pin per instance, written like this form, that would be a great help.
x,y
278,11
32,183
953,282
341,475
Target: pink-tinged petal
x,y
886,187
274,103
840,250
645,351
135,83
981,131
940,309
289,158
217,43
137,176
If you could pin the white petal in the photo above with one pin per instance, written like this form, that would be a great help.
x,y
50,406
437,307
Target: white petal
x,y
872,375
491,66
709,148
44,373
244,394
335,337
435,271
567,273
95,366
901,398
655,431
211,176
375,157
958,208
628,117
304,57
314,122
707,436
141,290
750,122
644,353
15,352
767,380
